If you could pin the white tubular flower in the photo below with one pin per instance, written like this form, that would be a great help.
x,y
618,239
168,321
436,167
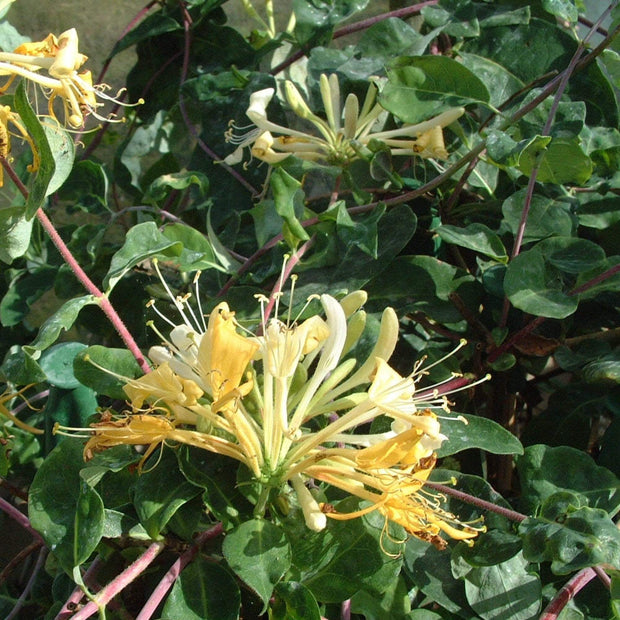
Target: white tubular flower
x,y
292,410
341,136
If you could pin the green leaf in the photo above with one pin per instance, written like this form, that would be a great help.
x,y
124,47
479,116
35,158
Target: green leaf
x,y
491,548
293,601
89,519
564,10
15,231
288,198
314,21
430,570
500,83
197,251
534,280
532,286
68,515
62,146
561,161
62,319
477,237
425,283
258,552
544,470
478,432
20,368
47,165
392,602
161,491
203,591
546,216
423,86
86,186
23,291
88,363
152,26
161,187
348,555
57,364
142,241
570,536
505,590
71,408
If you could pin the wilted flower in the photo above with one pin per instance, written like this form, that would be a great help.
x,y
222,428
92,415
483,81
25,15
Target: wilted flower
x,y
8,120
60,60
342,135
290,406
6,397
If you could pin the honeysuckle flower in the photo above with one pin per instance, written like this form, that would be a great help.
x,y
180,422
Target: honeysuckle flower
x,y
291,406
342,136
8,120
54,65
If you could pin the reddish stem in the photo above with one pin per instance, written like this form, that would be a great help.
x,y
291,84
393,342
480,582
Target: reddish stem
x,y
119,583
569,591
513,515
78,594
175,570
20,517
356,27
88,284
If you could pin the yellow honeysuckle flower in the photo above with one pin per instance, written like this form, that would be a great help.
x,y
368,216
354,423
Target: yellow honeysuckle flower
x,y
342,134
8,117
61,59
289,405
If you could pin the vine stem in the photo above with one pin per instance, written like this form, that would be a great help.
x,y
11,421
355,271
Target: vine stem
x,y
513,515
568,591
175,571
133,571
529,193
20,517
76,596
601,277
33,577
356,27
80,274
187,22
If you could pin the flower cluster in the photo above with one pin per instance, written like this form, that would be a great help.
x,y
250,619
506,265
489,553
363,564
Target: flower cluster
x,y
343,135
293,407
55,64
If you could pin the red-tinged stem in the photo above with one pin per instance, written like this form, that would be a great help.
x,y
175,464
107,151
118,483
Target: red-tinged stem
x,y
187,21
569,591
345,610
175,570
141,13
80,274
33,577
538,320
356,27
87,283
286,272
563,83
20,517
513,515
102,598
18,559
76,596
